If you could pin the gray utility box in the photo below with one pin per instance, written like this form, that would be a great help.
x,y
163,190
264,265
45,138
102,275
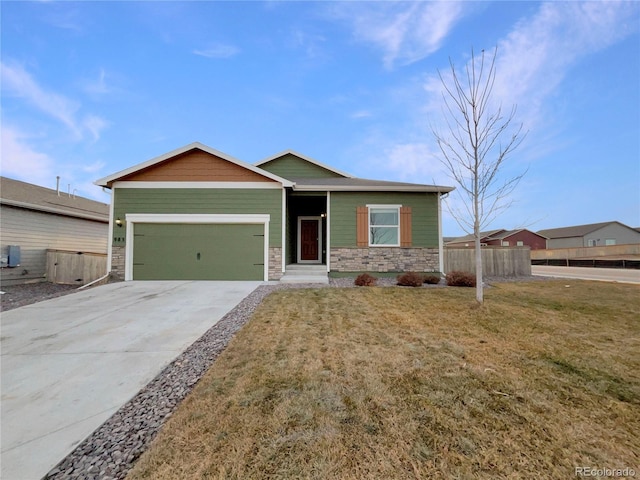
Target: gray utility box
x,y
14,256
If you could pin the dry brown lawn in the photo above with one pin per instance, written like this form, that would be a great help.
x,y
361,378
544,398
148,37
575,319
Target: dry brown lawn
x,y
417,383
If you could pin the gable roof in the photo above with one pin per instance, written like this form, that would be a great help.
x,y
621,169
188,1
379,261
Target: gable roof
x,y
471,237
362,184
108,180
303,157
509,233
344,182
33,197
576,230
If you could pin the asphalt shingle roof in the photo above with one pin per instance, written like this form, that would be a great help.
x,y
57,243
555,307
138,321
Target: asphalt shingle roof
x,y
34,197
574,231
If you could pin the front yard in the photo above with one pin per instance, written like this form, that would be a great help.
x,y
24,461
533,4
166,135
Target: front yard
x,y
417,383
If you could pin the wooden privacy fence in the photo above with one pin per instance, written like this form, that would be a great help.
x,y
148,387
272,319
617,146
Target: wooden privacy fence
x,y
75,268
632,249
496,261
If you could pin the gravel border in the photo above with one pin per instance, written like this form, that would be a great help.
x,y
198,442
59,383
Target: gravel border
x,y
111,450
16,296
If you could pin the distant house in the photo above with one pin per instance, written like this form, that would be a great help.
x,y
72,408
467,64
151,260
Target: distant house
x,y
591,235
503,238
34,219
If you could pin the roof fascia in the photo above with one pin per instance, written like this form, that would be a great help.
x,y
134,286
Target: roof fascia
x,y
57,211
305,158
379,188
106,181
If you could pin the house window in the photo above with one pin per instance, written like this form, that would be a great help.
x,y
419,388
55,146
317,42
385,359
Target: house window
x,y
384,225
609,241
520,243
591,242
505,243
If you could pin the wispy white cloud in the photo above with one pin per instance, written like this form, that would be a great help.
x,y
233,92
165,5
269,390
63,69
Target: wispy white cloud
x,y
534,59
98,86
21,161
94,125
313,44
361,114
414,162
17,81
405,32
538,53
218,50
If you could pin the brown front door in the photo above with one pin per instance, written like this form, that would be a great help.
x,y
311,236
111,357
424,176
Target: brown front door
x,y
309,237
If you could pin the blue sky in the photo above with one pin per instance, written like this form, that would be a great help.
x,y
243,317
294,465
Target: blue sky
x,y
91,88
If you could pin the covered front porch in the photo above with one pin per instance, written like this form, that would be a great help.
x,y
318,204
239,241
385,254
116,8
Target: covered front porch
x,y
306,238
306,229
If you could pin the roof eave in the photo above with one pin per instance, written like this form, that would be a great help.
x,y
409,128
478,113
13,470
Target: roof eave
x,y
57,211
376,188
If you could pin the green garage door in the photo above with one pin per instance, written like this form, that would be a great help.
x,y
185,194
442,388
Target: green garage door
x,y
198,252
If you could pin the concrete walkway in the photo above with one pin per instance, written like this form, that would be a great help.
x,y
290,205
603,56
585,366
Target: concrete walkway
x,y
70,363
588,273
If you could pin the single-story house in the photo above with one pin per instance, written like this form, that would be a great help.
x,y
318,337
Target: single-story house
x,y
591,235
197,213
503,238
34,219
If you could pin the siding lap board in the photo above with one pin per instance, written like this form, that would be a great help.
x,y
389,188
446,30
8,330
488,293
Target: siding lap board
x,y
203,201
35,232
196,166
289,166
424,215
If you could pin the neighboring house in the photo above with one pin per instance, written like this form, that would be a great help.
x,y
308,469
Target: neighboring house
x,y
503,238
468,240
34,219
197,213
592,235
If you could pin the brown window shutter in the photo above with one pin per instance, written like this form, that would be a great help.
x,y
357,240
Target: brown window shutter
x,y
405,226
362,226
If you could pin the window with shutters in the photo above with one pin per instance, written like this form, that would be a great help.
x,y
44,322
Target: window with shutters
x,y
384,225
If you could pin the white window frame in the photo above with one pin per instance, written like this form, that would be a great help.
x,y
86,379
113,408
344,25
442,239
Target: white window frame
x,y
609,241
505,243
374,206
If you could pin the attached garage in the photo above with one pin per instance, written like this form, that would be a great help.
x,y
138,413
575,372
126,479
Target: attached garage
x,y
197,247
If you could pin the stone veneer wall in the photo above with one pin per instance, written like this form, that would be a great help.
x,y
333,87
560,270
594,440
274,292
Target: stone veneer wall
x,y
275,263
117,262
385,259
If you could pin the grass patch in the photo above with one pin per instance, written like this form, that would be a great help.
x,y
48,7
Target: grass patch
x,y
417,383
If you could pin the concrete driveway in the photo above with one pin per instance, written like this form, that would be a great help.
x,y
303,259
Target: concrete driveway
x,y
70,363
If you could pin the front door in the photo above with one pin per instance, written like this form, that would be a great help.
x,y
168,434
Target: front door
x,y
309,240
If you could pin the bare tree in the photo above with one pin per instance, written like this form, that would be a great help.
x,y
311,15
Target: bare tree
x,y
477,142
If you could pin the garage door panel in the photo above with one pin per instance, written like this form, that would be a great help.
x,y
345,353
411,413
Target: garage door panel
x,y
198,252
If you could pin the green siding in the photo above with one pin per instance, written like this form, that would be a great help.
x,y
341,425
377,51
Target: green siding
x,y
198,252
424,215
289,166
199,200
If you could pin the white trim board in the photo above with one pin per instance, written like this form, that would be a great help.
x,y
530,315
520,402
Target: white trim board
x,y
133,218
191,185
